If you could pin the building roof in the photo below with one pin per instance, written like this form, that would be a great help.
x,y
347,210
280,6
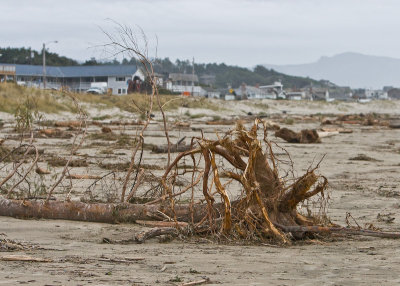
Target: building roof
x,y
76,71
183,77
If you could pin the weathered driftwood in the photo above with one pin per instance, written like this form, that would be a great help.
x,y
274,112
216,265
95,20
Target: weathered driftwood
x,y
54,133
94,212
71,124
304,136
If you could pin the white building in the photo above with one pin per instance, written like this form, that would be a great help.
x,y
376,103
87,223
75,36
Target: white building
x,y
376,94
79,78
186,84
263,92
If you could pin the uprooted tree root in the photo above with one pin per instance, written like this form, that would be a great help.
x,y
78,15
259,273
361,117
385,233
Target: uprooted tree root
x,y
267,206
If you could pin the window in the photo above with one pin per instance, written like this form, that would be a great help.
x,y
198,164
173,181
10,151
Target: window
x,y
120,79
119,91
123,91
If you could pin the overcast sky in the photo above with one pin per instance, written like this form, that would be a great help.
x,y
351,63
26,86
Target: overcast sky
x,y
238,32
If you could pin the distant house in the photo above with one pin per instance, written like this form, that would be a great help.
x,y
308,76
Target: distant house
x,y
186,84
7,72
375,94
274,91
262,92
295,95
320,94
79,78
394,93
212,93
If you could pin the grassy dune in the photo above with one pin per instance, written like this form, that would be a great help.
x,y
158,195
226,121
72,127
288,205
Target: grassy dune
x,y
50,101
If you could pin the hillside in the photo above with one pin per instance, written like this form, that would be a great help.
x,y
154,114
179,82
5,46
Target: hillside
x,y
349,69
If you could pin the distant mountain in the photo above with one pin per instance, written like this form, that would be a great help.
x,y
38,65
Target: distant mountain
x,y
349,69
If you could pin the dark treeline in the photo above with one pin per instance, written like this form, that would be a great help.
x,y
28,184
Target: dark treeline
x,y
225,75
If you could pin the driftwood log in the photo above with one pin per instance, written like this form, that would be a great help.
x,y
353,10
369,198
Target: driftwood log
x,y
304,136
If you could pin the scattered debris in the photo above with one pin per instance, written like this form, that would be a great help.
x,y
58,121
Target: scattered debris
x,y
54,133
182,124
198,282
10,245
339,130
41,171
106,129
83,177
395,124
60,162
363,157
387,218
70,124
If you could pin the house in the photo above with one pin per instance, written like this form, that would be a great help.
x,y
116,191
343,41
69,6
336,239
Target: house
x,y
212,93
320,94
274,91
295,95
7,72
376,94
394,93
186,84
254,92
79,78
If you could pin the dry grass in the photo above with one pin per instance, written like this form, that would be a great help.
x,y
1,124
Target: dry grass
x,y
51,101
12,96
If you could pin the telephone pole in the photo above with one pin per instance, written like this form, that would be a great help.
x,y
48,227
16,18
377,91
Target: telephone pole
x,y
44,62
193,77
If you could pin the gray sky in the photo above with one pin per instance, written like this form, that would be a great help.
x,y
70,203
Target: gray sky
x,y
238,32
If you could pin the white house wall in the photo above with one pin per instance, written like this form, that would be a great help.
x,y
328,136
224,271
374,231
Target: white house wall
x,y
118,87
121,87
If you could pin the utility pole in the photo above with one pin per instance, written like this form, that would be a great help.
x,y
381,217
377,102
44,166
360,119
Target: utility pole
x,y
44,62
44,65
193,77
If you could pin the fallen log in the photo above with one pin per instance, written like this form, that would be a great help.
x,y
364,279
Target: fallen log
x,y
95,212
304,136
